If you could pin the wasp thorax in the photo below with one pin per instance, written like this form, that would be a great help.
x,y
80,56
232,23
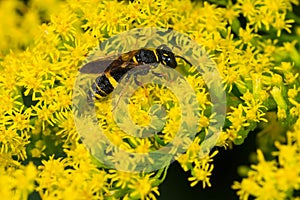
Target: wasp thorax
x,y
146,56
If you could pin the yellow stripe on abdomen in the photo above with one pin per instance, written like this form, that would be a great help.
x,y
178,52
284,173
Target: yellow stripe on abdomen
x,y
112,81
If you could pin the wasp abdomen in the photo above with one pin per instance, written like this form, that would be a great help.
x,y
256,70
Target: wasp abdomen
x,y
102,86
118,73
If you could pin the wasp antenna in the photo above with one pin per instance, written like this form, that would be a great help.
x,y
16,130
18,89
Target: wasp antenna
x,y
184,60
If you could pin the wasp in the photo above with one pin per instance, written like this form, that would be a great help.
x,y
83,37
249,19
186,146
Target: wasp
x,y
111,70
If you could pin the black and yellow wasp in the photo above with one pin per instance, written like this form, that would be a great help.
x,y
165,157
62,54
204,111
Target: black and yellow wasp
x,y
111,70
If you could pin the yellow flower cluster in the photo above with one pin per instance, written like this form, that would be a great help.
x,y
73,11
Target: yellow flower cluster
x,y
45,43
22,22
276,179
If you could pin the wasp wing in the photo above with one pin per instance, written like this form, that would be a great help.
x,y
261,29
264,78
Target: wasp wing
x,y
98,66
105,64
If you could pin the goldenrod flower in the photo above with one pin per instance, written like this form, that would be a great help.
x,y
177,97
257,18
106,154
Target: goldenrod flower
x,y
143,188
252,45
201,173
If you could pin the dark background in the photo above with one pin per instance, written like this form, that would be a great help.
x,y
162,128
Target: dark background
x,y
176,185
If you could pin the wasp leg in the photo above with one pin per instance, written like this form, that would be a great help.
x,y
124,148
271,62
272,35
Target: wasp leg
x,y
159,74
127,76
143,70
137,82
91,95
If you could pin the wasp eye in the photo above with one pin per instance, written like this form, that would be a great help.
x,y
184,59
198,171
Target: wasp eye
x,y
168,58
138,58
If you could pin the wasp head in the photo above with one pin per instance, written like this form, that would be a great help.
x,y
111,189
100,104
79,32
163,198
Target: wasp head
x,y
166,56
